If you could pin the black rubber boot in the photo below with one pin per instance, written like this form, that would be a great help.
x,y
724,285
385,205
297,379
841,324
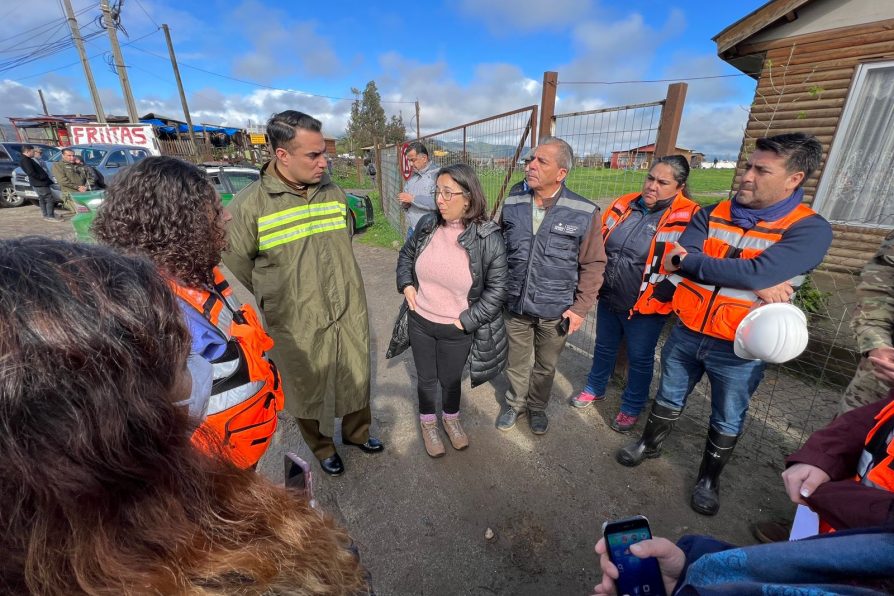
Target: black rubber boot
x,y
659,424
706,494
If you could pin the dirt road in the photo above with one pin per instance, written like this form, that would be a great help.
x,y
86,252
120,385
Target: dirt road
x,y
420,523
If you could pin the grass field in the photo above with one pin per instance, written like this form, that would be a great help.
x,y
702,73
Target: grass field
x,y
602,185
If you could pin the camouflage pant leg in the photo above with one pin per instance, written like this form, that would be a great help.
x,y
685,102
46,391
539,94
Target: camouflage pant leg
x,y
864,388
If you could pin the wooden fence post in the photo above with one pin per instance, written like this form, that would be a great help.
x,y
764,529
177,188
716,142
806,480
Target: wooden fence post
x,y
671,115
548,103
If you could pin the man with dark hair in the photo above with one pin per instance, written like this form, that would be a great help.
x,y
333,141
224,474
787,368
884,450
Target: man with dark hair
x,y
556,260
734,256
71,176
289,245
40,181
418,197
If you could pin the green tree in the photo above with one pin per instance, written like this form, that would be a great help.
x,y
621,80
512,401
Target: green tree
x,y
395,131
367,123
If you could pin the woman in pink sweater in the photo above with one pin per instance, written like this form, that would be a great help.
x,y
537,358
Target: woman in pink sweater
x,y
453,273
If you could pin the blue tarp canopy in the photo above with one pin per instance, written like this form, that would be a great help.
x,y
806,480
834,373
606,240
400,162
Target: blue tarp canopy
x,y
208,128
159,124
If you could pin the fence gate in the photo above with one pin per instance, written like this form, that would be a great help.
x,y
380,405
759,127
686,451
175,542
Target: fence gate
x,y
494,147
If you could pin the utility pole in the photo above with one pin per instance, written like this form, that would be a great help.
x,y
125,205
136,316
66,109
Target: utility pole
x,y
192,134
43,102
88,74
417,118
119,62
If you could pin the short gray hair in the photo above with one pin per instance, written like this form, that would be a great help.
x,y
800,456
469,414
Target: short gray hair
x,y
566,154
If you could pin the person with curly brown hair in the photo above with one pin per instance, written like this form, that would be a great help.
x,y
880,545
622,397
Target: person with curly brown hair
x,y
103,491
167,210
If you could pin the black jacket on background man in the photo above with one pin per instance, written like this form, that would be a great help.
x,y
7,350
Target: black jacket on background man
x,y
37,176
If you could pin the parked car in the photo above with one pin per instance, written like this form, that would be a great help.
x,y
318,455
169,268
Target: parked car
x,y
227,180
10,156
108,160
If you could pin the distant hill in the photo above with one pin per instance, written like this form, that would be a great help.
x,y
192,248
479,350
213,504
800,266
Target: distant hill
x,y
477,148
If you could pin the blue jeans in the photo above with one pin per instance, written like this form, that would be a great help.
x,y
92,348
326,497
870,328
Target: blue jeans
x,y
642,332
687,356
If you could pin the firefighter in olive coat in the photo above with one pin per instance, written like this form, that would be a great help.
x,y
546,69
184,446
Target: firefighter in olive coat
x,y
289,245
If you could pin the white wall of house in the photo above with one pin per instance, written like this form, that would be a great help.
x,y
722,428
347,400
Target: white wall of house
x,y
822,15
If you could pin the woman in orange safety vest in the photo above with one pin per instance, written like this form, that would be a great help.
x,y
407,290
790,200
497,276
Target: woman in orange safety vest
x,y
167,210
634,301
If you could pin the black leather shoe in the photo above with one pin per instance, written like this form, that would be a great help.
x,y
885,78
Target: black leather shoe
x,y
371,446
333,465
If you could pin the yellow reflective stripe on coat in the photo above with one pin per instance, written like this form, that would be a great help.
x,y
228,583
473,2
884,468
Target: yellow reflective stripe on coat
x,y
301,231
280,218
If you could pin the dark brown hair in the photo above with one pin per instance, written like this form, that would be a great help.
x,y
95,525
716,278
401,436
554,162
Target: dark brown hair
x,y
166,209
102,490
467,180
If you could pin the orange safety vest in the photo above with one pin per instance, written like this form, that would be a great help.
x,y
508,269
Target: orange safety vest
x,y
246,392
672,223
876,467
717,311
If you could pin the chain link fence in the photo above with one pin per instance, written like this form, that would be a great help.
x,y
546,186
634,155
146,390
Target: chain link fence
x,y
493,146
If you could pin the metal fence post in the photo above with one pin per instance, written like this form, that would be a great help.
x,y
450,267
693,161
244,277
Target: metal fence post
x,y
671,115
379,175
548,103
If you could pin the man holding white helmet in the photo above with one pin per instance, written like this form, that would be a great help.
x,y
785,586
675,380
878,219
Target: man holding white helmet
x,y
733,257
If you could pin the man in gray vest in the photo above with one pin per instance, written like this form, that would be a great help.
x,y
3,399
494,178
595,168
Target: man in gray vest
x,y
418,197
556,260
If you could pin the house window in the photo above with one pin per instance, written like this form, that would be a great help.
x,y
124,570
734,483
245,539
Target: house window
x,y
857,185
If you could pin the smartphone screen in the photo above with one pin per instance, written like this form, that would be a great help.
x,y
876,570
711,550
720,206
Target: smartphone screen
x,y
637,577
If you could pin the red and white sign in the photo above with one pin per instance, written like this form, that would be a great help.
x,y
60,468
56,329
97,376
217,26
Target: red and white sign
x,y
406,168
140,135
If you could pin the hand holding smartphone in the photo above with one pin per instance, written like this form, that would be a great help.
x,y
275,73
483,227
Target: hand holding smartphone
x,y
637,577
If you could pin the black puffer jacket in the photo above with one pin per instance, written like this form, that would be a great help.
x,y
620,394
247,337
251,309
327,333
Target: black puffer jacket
x,y
484,317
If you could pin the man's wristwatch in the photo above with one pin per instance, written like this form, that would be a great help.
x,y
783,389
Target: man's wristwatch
x,y
676,260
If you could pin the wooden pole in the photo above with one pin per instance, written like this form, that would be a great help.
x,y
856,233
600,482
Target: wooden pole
x,y
192,134
43,102
671,115
548,103
119,62
417,119
88,74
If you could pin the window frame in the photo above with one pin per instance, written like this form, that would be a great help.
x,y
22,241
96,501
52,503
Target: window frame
x,y
822,203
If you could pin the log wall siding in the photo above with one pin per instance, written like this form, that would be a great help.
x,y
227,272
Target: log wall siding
x,y
802,88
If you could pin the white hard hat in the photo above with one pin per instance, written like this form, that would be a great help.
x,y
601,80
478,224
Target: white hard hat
x,y
773,333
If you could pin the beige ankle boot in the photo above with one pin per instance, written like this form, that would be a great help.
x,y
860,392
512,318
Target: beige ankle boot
x,y
455,433
432,438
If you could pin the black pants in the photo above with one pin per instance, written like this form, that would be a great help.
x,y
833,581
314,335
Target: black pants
x,y
440,353
46,200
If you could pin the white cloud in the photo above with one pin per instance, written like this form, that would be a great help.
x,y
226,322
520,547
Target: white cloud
x,y
282,47
503,17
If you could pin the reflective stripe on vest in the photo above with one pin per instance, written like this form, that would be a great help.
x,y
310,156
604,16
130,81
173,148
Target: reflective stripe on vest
x,y
717,311
670,227
324,217
246,392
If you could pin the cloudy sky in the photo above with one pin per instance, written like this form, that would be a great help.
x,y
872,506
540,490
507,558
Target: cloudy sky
x,y
462,59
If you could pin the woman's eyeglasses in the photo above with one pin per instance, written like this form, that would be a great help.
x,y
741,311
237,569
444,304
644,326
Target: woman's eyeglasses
x,y
447,193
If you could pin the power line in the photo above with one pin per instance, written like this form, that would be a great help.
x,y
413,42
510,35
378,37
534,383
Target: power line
x,y
741,74
147,14
92,56
263,86
46,24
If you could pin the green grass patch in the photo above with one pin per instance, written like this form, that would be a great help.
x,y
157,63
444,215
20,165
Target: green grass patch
x,y
604,184
381,233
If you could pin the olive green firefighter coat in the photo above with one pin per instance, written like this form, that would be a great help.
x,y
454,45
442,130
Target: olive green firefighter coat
x,y
295,256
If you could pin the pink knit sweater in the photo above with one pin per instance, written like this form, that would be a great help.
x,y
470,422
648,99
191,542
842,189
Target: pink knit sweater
x,y
444,276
